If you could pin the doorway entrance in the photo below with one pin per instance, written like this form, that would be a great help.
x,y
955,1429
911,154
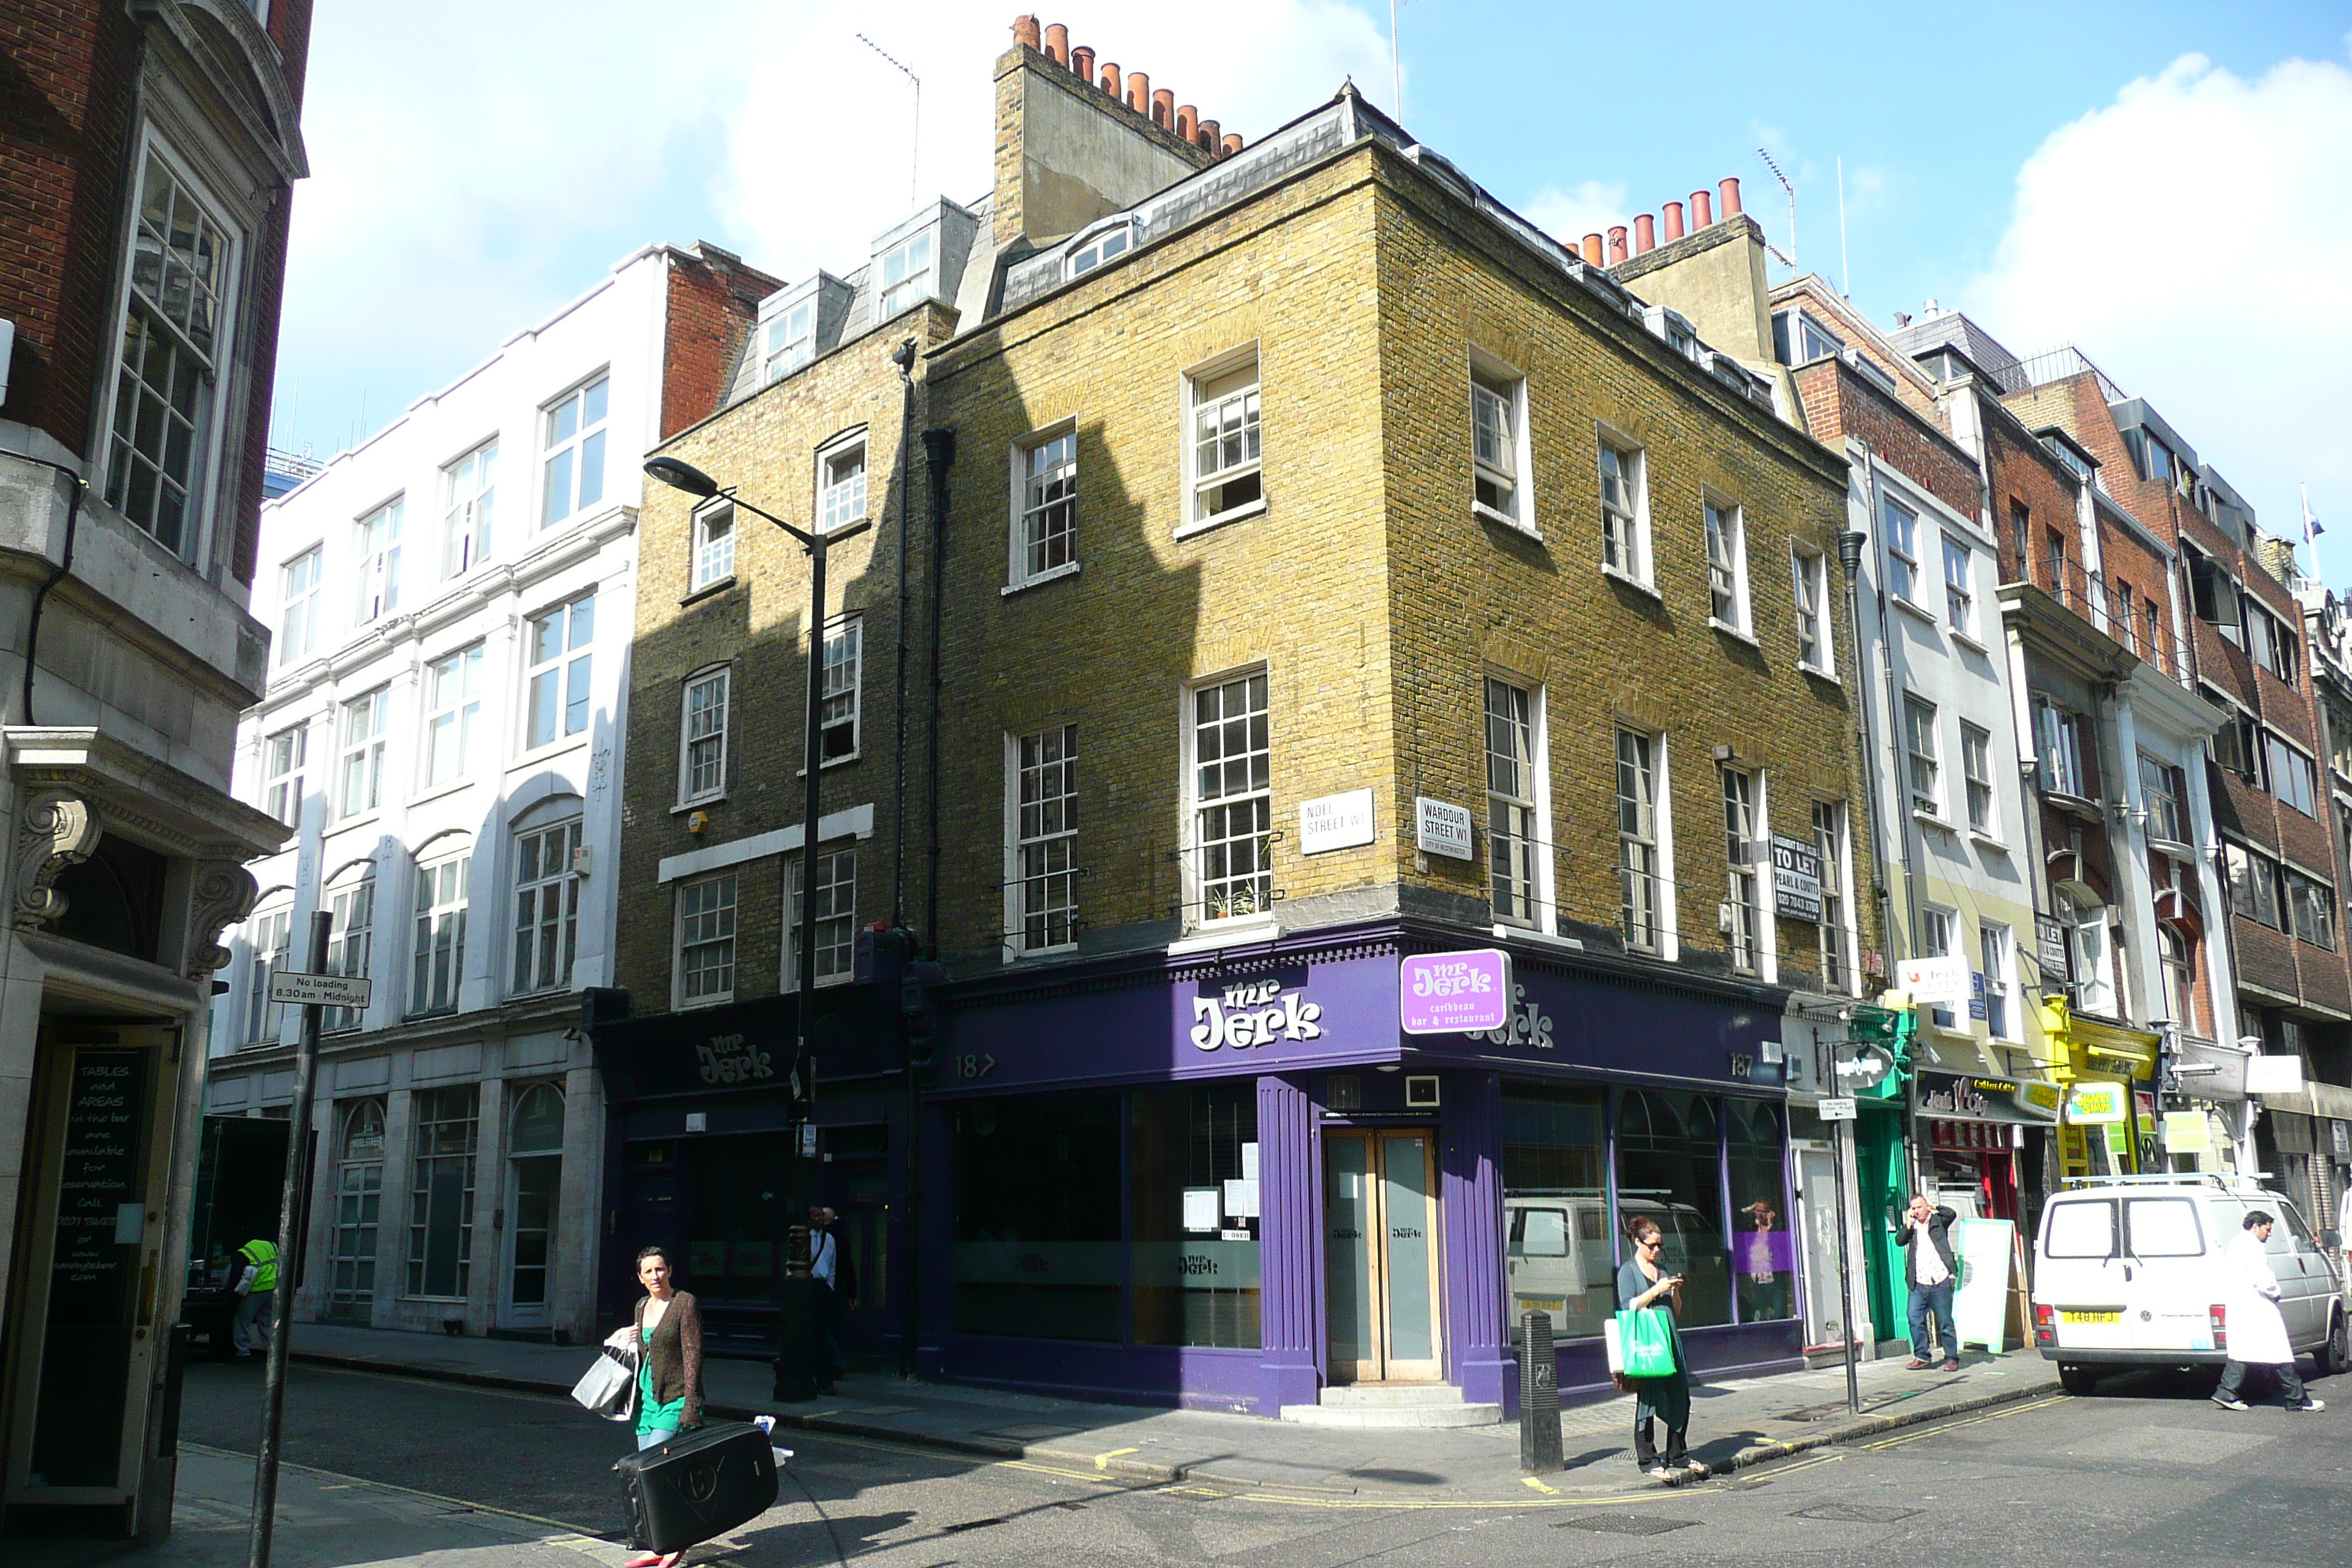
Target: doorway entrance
x,y
535,1163
1380,1256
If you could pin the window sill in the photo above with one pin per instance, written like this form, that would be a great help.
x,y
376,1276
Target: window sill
x,y
1041,578
1969,641
1486,513
1202,525
2173,848
345,823
842,761
1529,933
1918,612
1987,840
1227,933
547,751
699,1003
1932,819
1619,575
1727,630
438,791
1818,673
698,803
1015,958
708,590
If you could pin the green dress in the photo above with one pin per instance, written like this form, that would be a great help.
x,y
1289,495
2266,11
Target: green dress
x,y
651,1416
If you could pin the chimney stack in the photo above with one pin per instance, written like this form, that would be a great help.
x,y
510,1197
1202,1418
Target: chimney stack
x,y
1139,92
1645,233
1702,210
1593,250
1673,221
1057,43
1730,189
1024,30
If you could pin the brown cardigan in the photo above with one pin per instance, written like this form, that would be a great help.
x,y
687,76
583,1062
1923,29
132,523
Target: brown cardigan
x,y
675,1354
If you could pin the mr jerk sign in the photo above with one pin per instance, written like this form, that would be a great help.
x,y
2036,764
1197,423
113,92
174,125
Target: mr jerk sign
x,y
1253,1012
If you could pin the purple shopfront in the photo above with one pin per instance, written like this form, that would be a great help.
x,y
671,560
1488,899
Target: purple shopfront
x,y
1228,1180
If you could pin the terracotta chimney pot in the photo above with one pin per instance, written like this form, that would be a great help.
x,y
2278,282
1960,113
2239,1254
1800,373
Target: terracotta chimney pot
x,y
1616,244
1591,250
1109,78
1057,43
1207,137
1163,109
1188,123
1082,62
1730,189
1702,210
1139,92
1673,221
1231,145
1024,30
1645,233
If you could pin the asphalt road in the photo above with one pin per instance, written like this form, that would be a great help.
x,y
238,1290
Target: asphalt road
x,y
2145,1472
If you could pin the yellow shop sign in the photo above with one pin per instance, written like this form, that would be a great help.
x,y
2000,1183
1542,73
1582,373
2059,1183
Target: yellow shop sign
x,y
2091,1104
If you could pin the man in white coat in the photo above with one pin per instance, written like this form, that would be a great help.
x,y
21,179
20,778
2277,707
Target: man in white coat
x,y
2257,1333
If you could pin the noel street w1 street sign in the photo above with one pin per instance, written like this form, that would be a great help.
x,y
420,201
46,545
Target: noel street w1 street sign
x,y
326,990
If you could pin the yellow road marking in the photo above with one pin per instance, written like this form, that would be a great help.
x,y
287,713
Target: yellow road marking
x,y
1531,1482
577,1531
1503,1506
1933,1430
1102,1462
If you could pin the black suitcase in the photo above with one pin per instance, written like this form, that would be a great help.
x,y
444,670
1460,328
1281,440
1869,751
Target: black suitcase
x,y
701,1483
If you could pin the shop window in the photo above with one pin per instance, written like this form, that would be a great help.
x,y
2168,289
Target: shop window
x,y
359,1204
1559,1253
1763,1255
441,1192
738,1214
1670,1170
1194,1214
1038,1250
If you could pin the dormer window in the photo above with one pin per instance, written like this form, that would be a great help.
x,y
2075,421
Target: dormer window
x,y
1109,242
1798,339
2065,453
907,272
788,341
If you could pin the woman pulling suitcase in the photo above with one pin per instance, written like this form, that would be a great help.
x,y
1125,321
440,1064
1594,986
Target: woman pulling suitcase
x,y
669,1369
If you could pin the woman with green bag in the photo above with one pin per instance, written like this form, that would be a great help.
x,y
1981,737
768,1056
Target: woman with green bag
x,y
1644,1287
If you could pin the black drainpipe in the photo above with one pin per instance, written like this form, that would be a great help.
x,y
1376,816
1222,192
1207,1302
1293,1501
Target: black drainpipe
x,y
64,566
939,451
904,358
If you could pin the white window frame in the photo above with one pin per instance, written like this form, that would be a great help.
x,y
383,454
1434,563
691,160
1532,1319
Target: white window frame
x,y
1246,895
1976,770
269,944
378,542
1923,770
1648,841
1041,842
439,913
1624,514
841,497
577,452
359,753
2302,894
2286,765
547,889
712,559
1809,572
1836,933
1959,586
2167,812
453,711
1237,410
1740,792
1043,540
281,786
916,260
468,497
837,917
1726,526
199,486
712,900
1900,526
1938,937
2058,747
1103,245
351,940
844,707
1995,943
1518,807
299,598
702,733
788,339
572,664
1500,456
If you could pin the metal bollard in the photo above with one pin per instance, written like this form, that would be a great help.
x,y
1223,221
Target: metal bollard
x,y
1539,1447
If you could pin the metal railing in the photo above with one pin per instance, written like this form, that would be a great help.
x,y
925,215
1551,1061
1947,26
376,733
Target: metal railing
x,y
2101,604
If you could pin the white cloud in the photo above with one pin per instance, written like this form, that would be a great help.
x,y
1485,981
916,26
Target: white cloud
x,y
2193,238
1594,207
474,166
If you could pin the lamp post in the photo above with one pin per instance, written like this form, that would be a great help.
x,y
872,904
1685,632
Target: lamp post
x,y
681,475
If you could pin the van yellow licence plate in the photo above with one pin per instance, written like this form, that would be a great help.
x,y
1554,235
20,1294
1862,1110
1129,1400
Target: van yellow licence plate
x,y
2091,1317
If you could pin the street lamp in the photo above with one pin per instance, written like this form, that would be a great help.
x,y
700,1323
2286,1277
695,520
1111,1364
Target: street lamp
x,y
681,475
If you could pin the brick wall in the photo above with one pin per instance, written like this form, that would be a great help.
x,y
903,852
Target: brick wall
x,y
713,306
1839,402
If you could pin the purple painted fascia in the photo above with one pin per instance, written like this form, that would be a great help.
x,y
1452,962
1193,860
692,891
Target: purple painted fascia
x,y
1290,1251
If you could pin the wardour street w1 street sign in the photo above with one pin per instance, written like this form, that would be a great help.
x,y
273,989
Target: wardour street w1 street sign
x,y
323,990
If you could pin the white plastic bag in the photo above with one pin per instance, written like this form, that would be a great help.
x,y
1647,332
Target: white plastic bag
x,y
609,1386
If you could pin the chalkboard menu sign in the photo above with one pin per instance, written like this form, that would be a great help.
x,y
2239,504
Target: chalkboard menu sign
x,y
93,1272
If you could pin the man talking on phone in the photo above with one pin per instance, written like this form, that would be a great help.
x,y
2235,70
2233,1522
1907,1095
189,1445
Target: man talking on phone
x,y
1931,1270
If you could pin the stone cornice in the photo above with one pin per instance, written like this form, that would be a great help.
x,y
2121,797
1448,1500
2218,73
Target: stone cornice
x,y
141,795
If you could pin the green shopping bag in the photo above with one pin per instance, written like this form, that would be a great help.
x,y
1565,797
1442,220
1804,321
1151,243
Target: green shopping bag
x,y
1647,1338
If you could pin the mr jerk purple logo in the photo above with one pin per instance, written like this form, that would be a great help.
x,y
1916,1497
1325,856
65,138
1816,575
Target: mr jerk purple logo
x,y
1454,992
1255,1013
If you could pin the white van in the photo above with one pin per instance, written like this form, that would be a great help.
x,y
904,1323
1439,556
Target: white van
x,y
2133,1271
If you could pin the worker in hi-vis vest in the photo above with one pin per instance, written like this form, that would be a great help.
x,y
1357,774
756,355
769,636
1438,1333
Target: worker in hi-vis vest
x,y
257,1287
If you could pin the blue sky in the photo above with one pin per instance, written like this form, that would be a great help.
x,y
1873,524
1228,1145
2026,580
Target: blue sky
x,y
2169,186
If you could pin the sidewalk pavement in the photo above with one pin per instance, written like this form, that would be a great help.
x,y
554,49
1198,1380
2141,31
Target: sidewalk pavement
x,y
1734,1423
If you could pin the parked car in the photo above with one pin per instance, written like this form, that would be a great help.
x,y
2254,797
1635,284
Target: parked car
x,y
2133,1271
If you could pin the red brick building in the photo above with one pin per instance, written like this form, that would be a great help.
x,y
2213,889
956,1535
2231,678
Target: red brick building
x,y
148,156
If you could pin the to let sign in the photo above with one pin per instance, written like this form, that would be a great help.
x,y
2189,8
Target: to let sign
x,y
1454,992
1934,982
1441,827
1796,879
2049,938
322,990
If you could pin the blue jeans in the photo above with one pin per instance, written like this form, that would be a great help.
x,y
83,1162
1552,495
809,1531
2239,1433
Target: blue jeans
x,y
653,1439
1933,1301
249,1330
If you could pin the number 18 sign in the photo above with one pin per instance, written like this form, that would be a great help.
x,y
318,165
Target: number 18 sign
x,y
1454,992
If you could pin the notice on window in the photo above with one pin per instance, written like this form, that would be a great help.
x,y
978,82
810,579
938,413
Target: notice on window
x,y
1204,1211
1796,879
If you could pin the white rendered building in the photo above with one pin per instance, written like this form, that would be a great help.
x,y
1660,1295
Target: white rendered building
x,y
452,606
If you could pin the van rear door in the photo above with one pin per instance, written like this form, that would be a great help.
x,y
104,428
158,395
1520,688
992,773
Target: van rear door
x,y
2167,1293
2080,1277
